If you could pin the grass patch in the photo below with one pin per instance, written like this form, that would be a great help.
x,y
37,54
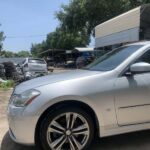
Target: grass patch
x,y
7,85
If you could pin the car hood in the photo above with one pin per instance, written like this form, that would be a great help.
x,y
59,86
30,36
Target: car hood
x,y
53,78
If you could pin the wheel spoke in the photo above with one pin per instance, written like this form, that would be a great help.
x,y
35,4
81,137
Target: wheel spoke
x,y
51,129
71,144
78,145
81,132
68,119
56,142
82,127
75,132
57,125
61,144
74,116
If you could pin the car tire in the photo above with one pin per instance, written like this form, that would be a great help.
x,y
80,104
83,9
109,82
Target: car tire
x,y
67,128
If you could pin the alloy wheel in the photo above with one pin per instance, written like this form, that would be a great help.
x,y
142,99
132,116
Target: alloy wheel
x,y
68,131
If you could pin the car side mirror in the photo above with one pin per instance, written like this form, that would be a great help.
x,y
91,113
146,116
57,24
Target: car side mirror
x,y
140,67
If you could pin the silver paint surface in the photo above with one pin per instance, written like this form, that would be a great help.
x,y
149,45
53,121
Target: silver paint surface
x,y
121,103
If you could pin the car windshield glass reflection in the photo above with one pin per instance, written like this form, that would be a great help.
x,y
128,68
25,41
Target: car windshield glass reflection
x,y
113,59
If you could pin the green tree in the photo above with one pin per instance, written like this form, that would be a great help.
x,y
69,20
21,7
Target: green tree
x,y
37,49
9,54
86,14
60,39
1,39
23,54
78,19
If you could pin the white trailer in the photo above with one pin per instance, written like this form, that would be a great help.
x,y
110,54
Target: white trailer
x,y
131,26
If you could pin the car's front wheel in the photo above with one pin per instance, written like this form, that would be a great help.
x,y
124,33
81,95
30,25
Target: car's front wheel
x,y
67,128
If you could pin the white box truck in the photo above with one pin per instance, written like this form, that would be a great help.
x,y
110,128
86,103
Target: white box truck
x,y
131,26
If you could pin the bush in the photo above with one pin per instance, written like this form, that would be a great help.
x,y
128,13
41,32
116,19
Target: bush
x,y
8,84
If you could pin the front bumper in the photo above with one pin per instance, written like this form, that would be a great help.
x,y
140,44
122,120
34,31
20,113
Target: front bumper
x,y
22,127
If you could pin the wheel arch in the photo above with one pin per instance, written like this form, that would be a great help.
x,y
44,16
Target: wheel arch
x,y
74,103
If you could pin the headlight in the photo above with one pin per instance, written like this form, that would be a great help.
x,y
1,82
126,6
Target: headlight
x,y
24,99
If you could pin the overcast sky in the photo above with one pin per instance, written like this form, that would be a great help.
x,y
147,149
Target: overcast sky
x,y
21,19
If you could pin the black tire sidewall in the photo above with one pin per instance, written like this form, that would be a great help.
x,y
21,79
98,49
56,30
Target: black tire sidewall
x,y
47,120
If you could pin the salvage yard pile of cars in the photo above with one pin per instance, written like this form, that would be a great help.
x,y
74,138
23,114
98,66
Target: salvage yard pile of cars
x,y
8,71
8,75
2,71
27,69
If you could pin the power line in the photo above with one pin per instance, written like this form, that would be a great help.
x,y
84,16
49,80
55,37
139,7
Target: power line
x,y
27,36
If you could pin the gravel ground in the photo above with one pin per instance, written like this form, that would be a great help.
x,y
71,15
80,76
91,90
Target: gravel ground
x,y
4,96
132,141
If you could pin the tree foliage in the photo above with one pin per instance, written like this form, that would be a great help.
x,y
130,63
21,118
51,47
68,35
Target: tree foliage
x,y
36,49
86,14
62,40
66,40
23,54
9,54
78,19
1,39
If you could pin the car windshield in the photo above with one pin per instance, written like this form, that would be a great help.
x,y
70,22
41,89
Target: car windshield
x,y
38,61
113,59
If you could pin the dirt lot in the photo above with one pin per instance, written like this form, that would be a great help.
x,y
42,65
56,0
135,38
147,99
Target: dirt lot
x,y
134,141
4,96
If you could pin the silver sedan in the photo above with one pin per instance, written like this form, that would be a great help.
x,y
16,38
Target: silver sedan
x,y
67,110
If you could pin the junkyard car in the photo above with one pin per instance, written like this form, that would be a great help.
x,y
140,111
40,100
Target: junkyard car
x,y
65,111
32,67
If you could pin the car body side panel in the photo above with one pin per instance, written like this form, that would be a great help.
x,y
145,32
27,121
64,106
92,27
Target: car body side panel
x,y
132,100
